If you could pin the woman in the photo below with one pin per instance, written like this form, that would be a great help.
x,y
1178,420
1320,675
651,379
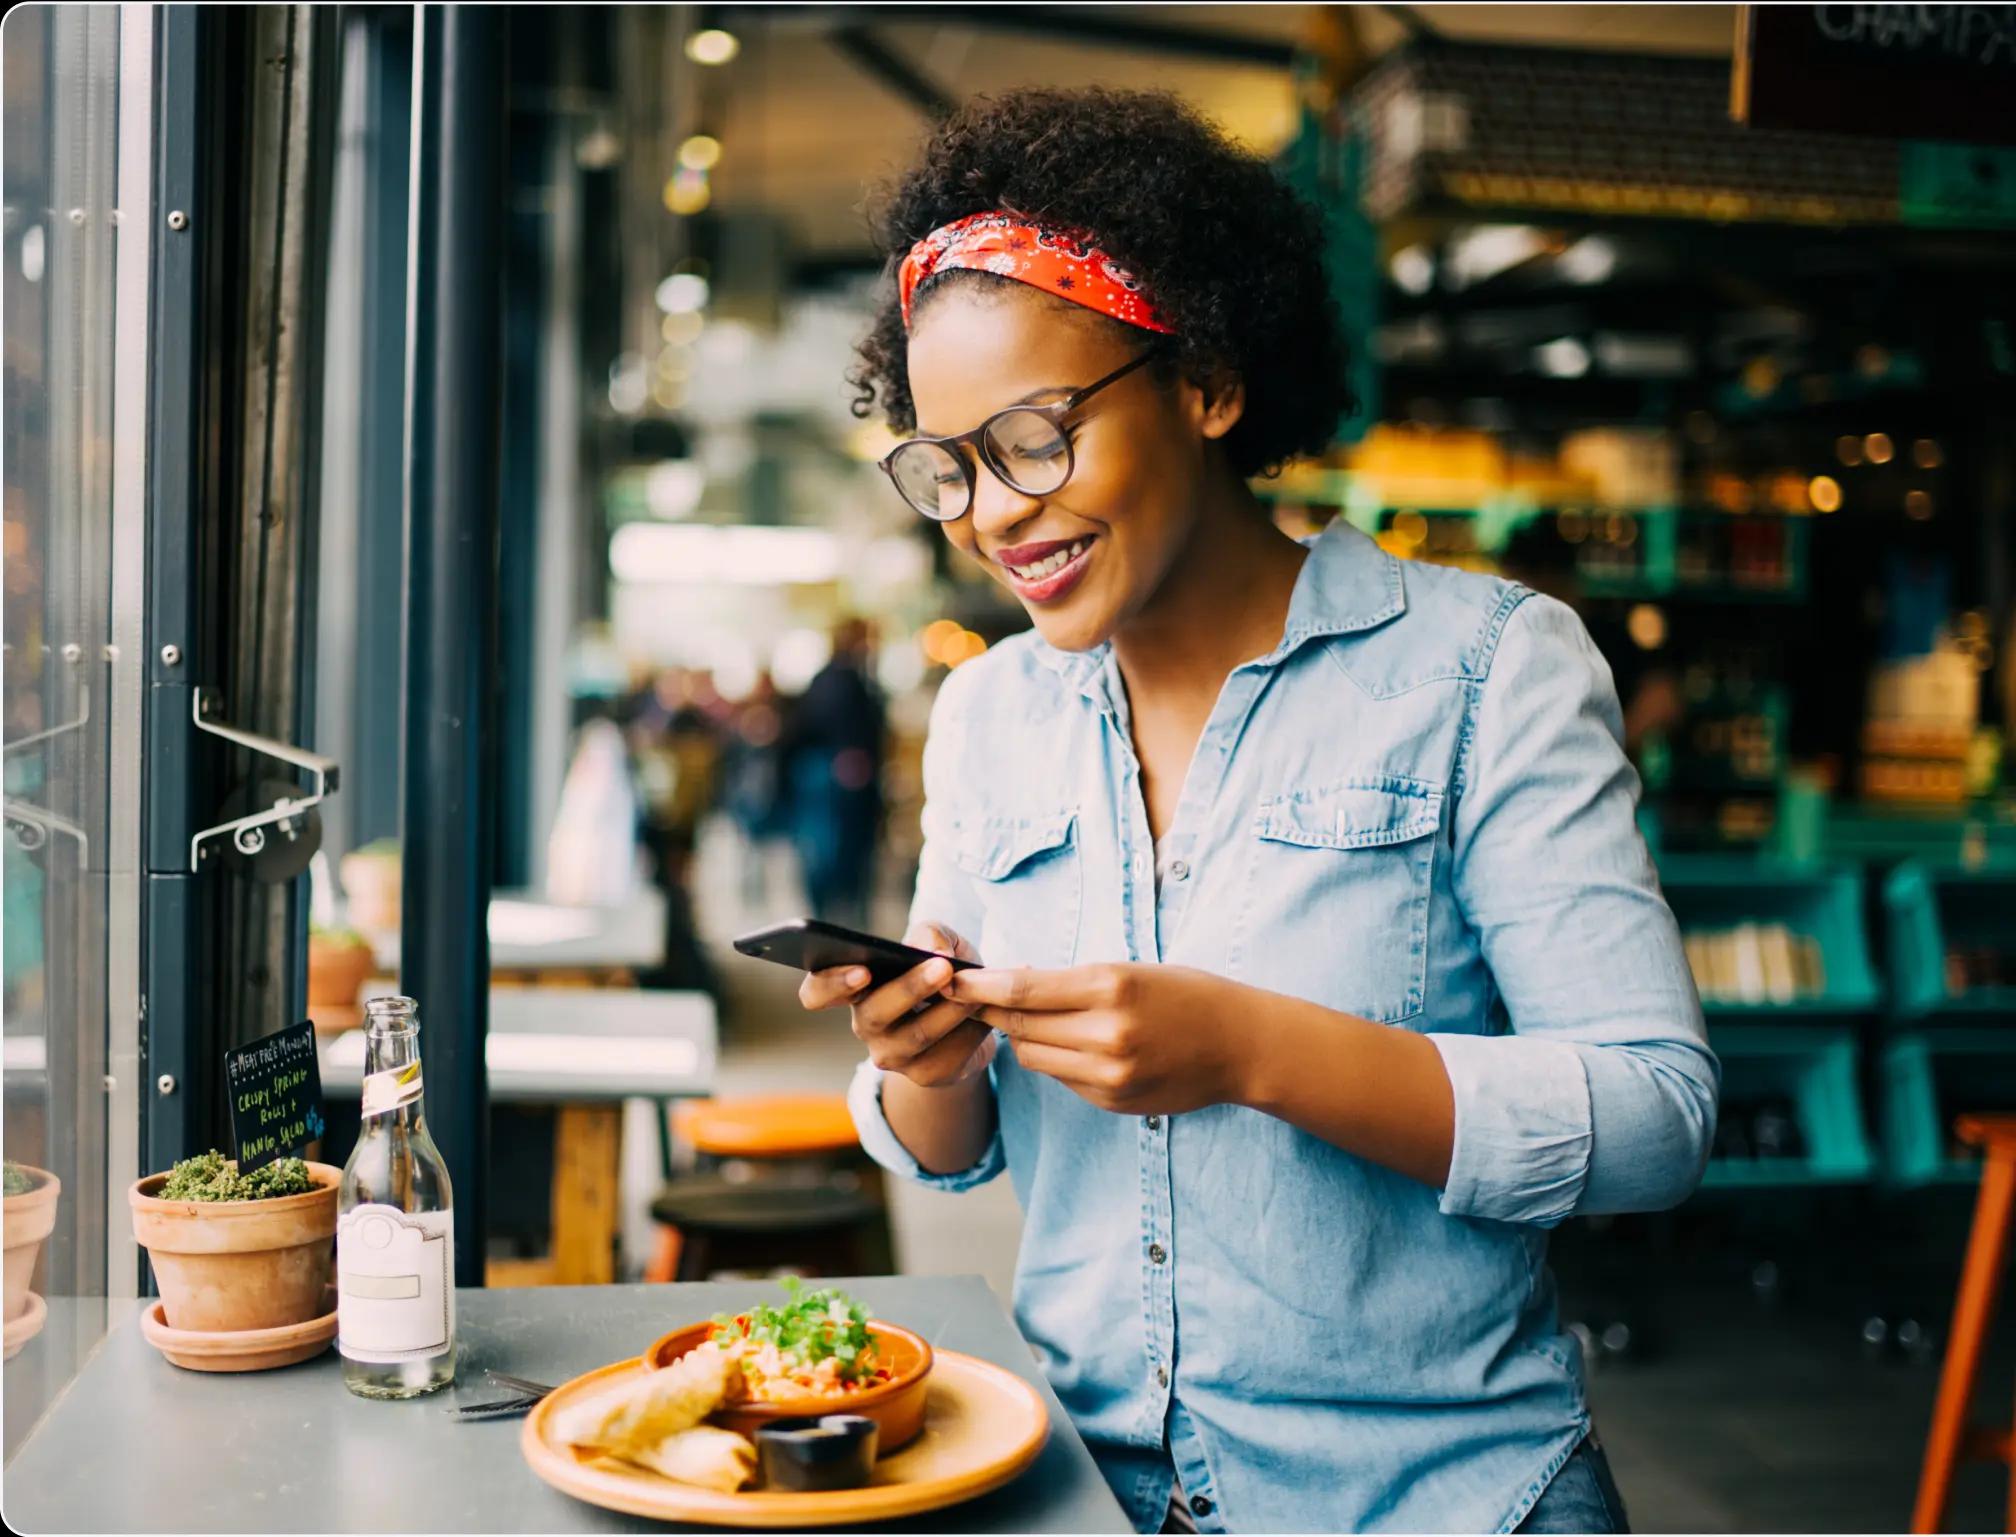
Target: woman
x,y
1325,969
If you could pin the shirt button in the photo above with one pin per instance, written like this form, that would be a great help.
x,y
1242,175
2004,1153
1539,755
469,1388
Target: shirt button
x,y
1162,1376
1179,871
1154,1123
1199,1505
1157,1254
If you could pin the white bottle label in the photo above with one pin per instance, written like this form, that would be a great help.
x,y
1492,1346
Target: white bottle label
x,y
395,1284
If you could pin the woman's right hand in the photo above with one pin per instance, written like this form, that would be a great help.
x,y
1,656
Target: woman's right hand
x,y
932,1045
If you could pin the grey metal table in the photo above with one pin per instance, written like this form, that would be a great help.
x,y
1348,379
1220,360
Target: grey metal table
x,y
528,933
137,1445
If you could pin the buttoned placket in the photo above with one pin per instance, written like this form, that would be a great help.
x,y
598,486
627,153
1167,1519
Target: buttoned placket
x,y
1150,941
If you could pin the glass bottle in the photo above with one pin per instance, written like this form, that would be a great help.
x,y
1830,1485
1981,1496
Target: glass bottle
x,y
395,1229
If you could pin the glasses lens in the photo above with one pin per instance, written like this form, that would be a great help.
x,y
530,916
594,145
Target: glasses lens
x,y
1030,451
931,479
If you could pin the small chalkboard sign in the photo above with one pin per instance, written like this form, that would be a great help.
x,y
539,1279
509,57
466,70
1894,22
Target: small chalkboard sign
x,y
276,1095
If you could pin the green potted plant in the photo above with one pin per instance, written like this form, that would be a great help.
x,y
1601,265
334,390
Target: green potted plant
x,y
370,877
340,962
30,1206
235,1252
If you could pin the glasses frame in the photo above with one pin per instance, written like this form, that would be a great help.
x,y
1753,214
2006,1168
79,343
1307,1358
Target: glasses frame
x,y
1054,412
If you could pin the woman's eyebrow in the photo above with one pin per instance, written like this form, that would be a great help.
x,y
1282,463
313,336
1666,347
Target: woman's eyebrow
x,y
1020,400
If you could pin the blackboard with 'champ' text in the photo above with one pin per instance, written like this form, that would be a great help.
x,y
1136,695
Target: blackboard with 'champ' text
x,y
276,1095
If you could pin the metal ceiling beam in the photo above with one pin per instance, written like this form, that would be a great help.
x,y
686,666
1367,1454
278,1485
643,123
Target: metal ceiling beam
x,y
1411,20
883,64
1054,23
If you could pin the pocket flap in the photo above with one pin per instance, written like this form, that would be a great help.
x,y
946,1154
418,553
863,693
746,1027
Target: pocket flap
x,y
994,847
1357,814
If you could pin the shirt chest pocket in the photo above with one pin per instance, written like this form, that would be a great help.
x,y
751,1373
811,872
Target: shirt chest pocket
x,y
1339,881
1027,876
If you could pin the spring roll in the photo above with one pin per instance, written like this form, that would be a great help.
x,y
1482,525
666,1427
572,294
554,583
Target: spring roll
x,y
706,1455
642,1411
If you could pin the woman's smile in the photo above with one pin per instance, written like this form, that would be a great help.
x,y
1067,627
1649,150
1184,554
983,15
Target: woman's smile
x,y
1046,571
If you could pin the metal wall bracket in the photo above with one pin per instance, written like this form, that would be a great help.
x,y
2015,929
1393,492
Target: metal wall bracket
x,y
31,826
22,744
248,833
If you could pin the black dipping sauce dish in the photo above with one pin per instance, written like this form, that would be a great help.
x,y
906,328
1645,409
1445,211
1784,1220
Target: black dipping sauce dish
x,y
818,1453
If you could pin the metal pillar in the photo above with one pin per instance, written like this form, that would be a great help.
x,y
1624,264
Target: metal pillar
x,y
453,371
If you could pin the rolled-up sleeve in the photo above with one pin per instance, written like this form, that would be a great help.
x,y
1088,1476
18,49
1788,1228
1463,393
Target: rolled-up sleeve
x,y
1600,1096
944,897
879,1142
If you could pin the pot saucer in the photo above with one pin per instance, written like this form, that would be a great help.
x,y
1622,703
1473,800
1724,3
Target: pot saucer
x,y
23,1329
237,1350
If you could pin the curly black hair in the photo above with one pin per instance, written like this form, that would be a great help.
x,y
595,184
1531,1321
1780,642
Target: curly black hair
x,y
1230,254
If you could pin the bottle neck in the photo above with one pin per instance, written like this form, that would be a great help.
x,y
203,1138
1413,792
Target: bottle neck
x,y
392,1048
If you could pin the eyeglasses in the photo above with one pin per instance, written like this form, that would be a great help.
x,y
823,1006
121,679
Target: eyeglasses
x,y
1026,447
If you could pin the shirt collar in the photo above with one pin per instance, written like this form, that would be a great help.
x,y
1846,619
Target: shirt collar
x,y
1347,584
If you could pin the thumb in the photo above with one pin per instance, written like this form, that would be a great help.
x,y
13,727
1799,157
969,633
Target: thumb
x,y
935,936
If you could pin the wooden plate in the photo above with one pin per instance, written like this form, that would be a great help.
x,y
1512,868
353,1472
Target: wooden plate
x,y
982,1426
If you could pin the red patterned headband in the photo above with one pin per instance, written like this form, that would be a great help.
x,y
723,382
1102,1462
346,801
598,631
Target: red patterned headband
x,y
1056,261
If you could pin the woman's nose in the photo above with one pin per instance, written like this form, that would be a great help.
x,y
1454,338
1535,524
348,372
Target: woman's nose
x,y
997,506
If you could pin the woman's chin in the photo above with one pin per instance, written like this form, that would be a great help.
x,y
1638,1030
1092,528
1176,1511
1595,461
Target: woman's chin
x,y
1072,632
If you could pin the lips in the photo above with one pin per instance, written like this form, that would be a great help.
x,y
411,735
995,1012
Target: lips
x,y
1045,571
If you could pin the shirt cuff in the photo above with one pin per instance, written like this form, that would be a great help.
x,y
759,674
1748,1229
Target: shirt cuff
x,y
1523,1128
879,1142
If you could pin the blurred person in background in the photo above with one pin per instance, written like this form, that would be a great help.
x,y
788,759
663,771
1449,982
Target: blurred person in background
x,y
752,786
832,755
675,743
1324,970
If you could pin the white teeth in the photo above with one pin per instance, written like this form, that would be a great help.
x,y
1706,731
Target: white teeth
x,y
1053,563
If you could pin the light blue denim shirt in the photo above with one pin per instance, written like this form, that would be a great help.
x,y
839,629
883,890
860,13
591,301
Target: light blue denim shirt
x,y
1414,809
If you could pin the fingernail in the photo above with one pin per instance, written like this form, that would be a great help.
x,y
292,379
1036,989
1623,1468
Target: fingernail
x,y
938,972
857,978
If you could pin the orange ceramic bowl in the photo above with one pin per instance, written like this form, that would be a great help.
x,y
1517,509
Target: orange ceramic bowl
x,y
896,1406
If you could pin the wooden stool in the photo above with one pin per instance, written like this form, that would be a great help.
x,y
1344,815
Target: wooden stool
x,y
1973,1309
804,1190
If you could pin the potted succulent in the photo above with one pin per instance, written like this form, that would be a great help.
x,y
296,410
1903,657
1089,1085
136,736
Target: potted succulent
x,y
238,1251
370,878
340,962
31,1196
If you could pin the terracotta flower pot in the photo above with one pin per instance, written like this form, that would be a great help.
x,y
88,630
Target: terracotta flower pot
x,y
371,884
29,1218
337,972
239,1264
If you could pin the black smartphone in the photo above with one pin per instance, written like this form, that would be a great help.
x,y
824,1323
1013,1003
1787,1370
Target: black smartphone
x,y
811,944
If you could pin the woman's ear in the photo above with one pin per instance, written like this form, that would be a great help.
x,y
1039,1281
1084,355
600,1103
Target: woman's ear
x,y
1217,399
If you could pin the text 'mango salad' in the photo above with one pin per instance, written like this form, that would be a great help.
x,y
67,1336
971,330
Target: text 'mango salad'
x,y
816,1344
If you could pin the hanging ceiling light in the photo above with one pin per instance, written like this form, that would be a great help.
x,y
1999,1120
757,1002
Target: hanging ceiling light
x,y
712,46
683,293
688,192
700,152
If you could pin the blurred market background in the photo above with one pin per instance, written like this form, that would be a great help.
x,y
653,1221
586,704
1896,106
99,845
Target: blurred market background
x,y
1739,391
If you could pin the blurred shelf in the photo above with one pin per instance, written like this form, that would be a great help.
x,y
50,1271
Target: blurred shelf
x,y
1775,1174
1767,1013
1814,1072
1928,1077
1981,835
1712,893
1934,910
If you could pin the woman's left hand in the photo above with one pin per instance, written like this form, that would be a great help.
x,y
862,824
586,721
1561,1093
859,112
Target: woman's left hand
x,y
1133,1039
